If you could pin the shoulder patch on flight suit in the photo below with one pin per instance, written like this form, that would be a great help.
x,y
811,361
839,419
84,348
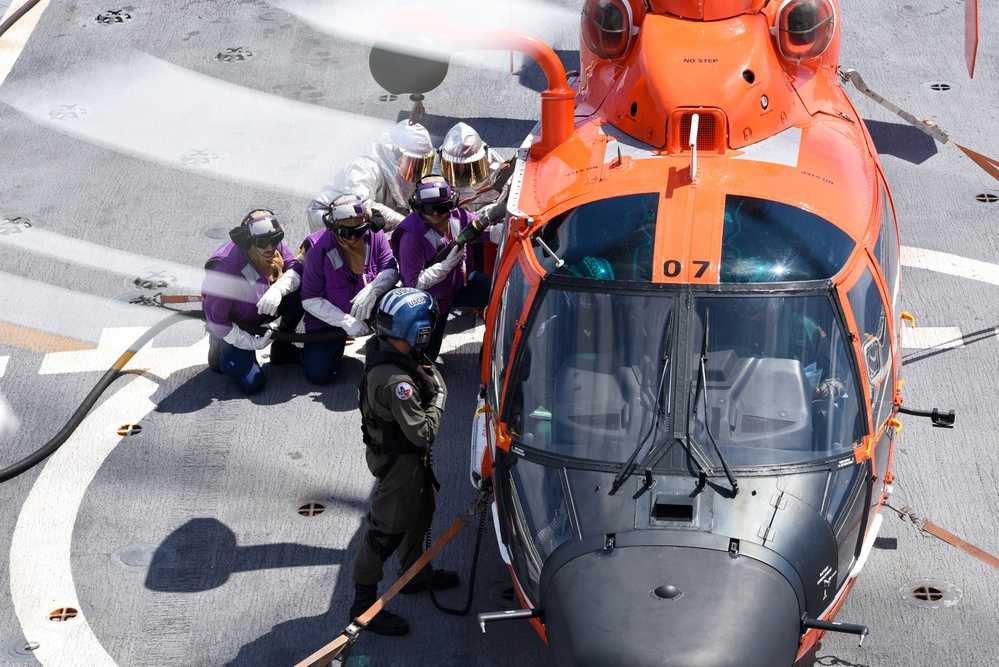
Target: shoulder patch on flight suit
x,y
403,391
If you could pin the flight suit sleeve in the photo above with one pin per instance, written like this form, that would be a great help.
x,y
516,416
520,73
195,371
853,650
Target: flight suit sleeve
x,y
419,424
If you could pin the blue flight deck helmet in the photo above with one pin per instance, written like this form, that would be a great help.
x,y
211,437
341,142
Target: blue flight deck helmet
x,y
408,314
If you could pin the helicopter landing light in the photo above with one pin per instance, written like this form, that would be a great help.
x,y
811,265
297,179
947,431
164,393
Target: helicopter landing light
x,y
607,27
804,28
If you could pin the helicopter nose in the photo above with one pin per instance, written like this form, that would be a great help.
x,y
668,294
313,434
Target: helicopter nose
x,y
662,605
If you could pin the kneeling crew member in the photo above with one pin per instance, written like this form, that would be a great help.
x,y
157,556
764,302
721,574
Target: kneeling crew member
x,y
401,398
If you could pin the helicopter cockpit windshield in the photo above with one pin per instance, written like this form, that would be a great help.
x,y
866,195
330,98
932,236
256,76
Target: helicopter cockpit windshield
x,y
773,381
777,386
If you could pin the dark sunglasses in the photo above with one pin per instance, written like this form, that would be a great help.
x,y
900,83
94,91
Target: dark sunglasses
x,y
436,208
267,240
352,232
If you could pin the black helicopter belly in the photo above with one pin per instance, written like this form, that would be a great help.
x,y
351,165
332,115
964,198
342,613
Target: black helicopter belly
x,y
668,605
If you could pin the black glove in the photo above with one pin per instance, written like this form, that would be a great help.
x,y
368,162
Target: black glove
x,y
377,221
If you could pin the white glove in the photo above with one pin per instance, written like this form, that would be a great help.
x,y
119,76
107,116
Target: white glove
x,y
269,302
364,301
247,341
355,327
432,275
330,314
497,232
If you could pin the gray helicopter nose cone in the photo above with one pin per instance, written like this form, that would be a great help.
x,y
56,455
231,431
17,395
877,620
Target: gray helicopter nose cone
x,y
660,606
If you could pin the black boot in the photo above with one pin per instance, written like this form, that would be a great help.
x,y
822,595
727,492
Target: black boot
x,y
440,579
284,352
385,623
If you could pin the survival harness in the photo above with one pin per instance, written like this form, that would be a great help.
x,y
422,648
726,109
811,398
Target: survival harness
x,y
394,441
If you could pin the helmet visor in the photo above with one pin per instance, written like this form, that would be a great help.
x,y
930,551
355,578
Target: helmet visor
x,y
414,167
463,175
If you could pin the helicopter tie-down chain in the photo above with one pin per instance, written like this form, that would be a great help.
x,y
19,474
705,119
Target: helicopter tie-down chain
x,y
950,538
990,165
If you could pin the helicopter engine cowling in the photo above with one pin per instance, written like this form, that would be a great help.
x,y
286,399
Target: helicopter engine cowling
x,y
695,607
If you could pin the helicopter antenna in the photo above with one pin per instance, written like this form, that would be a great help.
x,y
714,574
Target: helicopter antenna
x,y
693,147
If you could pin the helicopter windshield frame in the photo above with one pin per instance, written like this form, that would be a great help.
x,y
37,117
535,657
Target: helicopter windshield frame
x,y
582,388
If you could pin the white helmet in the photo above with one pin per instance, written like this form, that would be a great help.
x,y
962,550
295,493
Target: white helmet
x,y
413,141
464,158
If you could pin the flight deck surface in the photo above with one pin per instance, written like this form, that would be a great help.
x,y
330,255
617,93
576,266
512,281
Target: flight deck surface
x,y
132,139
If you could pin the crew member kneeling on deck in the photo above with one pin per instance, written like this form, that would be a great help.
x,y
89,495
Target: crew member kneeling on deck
x,y
435,225
401,398
254,279
348,266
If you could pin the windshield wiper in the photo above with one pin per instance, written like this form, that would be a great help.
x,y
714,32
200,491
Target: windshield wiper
x,y
625,468
702,388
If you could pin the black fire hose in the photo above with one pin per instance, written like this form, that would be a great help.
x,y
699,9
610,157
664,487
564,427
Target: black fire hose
x,y
18,13
63,435
112,373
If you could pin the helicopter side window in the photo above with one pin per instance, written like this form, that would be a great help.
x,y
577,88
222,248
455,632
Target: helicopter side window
x,y
608,239
886,250
511,308
766,241
869,310
777,384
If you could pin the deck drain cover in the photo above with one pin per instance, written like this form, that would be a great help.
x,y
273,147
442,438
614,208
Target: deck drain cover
x,y
18,224
982,197
311,509
199,157
939,86
218,233
930,593
236,54
68,112
21,649
275,15
151,279
134,431
114,17
144,556
384,98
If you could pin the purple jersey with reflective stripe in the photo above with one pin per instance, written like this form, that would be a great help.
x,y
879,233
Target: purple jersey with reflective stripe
x,y
328,276
233,285
416,241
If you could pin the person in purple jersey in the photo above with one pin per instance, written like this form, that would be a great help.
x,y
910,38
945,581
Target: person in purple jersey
x,y
436,222
348,267
254,279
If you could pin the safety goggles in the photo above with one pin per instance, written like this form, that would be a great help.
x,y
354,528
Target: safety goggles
x,y
267,240
343,231
435,208
265,231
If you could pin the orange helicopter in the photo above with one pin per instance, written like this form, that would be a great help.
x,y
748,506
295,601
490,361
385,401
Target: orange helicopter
x,y
692,353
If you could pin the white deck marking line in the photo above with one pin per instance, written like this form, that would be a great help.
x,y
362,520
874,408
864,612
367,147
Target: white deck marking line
x,y
13,40
41,575
3,365
955,265
922,338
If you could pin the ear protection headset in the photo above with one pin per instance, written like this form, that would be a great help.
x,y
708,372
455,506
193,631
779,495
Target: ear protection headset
x,y
265,226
